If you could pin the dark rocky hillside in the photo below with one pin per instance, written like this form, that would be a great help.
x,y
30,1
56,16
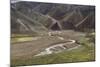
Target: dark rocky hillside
x,y
33,17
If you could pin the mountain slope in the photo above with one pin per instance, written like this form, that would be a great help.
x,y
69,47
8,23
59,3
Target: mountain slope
x,y
33,17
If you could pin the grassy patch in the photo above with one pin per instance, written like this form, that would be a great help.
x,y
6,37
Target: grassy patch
x,y
84,53
77,55
64,57
21,39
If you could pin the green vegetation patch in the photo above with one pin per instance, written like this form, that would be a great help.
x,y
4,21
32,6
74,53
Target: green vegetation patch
x,y
21,39
84,53
64,57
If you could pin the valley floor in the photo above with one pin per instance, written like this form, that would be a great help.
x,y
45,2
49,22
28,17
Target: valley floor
x,y
29,50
